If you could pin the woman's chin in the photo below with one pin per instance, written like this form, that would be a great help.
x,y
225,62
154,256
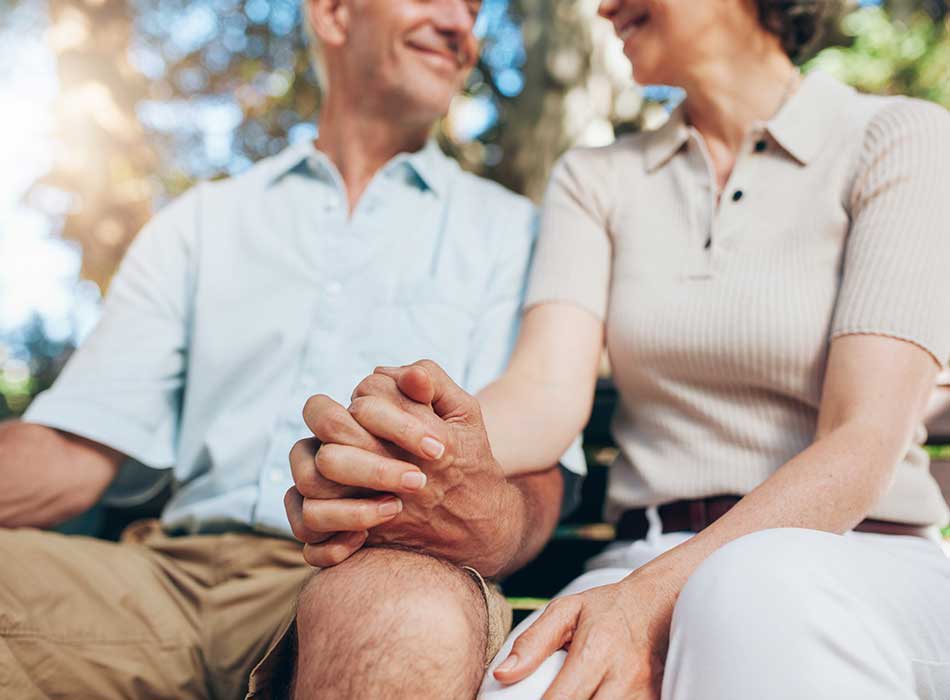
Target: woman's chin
x,y
644,75
645,69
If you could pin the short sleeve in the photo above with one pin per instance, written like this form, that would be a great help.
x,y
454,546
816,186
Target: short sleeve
x,y
123,386
896,269
573,258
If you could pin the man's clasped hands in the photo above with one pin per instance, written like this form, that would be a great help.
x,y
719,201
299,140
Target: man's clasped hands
x,y
407,463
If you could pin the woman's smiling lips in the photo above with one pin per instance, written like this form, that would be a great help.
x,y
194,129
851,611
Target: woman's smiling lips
x,y
632,25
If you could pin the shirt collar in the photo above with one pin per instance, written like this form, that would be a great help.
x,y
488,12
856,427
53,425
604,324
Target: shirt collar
x,y
429,165
800,127
666,141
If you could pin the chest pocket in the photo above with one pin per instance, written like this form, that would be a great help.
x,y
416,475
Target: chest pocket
x,y
428,318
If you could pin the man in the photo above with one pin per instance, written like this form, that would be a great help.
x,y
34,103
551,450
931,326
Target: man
x,y
239,301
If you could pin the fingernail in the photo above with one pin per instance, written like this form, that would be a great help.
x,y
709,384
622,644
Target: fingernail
x,y
390,507
433,448
508,664
413,480
383,368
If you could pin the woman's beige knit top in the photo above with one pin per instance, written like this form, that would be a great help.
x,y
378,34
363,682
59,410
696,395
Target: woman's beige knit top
x,y
836,220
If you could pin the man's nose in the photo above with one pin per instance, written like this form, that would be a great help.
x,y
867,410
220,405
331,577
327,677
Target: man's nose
x,y
454,17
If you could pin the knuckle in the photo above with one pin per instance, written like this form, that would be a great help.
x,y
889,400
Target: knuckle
x,y
297,452
365,516
377,385
381,474
314,405
333,554
361,407
333,424
473,407
427,364
318,555
407,429
297,530
327,458
313,517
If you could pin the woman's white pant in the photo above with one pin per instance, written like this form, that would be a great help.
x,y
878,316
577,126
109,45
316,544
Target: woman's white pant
x,y
790,614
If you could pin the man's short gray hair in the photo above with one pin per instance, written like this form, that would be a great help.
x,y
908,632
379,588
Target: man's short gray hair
x,y
312,42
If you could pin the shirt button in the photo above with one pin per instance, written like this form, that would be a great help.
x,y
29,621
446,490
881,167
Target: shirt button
x,y
737,195
334,288
761,145
331,203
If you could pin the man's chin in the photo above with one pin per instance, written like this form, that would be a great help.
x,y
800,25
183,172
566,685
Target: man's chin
x,y
424,105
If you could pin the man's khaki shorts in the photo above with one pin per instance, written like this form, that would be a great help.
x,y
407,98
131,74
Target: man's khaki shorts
x,y
155,616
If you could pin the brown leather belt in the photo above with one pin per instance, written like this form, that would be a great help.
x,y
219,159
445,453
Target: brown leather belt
x,y
697,514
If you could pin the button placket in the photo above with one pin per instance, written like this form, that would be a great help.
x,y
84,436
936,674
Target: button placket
x,y
702,223
732,210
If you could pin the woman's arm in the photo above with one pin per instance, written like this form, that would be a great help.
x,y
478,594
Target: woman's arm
x,y
938,407
874,395
544,398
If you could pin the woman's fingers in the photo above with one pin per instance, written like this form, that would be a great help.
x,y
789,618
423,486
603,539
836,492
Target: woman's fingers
x,y
355,467
550,632
620,689
581,674
348,514
335,550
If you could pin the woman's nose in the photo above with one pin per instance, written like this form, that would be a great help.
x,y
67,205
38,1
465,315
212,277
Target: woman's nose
x,y
608,8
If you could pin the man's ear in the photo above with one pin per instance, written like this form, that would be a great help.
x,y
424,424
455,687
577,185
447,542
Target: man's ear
x,y
330,20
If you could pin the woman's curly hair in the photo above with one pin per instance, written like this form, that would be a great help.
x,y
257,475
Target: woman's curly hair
x,y
797,23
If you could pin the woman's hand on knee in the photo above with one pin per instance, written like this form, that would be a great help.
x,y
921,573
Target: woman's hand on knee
x,y
616,637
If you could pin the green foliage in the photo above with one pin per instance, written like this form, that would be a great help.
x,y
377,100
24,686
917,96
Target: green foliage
x,y
21,380
889,55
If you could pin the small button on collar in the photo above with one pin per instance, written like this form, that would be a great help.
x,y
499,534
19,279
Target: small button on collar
x,y
761,145
737,195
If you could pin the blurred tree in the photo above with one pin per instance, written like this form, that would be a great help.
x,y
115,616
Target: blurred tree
x,y
905,51
103,155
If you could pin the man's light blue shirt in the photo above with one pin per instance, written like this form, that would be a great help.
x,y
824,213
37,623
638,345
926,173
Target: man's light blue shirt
x,y
244,297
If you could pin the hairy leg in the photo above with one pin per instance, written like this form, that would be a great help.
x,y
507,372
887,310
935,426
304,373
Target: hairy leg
x,y
390,623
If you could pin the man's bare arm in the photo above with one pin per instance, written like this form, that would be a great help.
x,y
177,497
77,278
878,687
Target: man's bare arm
x,y
541,494
48,476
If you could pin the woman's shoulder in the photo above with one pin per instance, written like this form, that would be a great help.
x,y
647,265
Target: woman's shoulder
x,y
890,117
620,160
887,119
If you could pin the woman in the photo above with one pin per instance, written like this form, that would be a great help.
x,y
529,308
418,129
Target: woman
x,y
770,273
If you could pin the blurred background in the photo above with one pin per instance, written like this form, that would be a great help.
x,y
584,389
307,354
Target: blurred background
x,y
110,108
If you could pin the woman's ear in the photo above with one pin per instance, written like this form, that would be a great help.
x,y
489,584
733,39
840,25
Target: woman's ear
x,y
330,20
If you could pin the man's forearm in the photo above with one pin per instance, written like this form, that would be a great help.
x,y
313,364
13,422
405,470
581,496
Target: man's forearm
x,y
541,494
47,476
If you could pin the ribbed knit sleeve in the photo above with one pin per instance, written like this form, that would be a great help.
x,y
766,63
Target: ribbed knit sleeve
x,y
573,257
896,271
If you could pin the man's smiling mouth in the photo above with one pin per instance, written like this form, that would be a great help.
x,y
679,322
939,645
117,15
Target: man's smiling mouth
x,y
444,56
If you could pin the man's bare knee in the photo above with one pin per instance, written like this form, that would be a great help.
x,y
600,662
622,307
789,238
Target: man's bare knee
x,y
390,623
